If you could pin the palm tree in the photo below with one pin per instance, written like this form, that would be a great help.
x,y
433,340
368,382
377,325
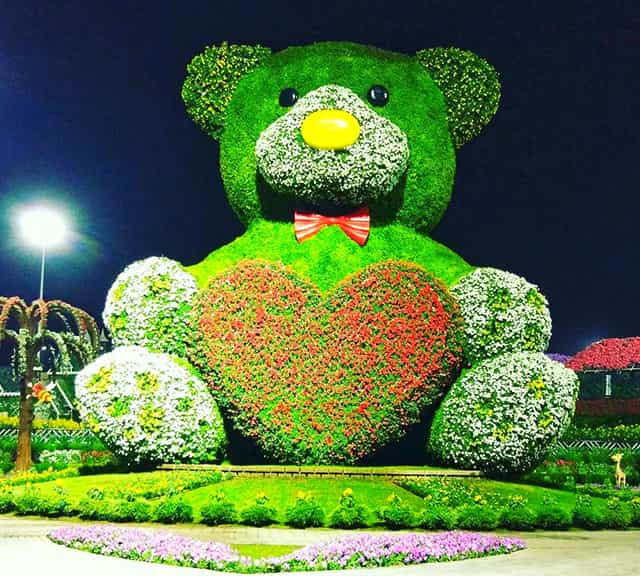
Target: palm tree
x,y
69,331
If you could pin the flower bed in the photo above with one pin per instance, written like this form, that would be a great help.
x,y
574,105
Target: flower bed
x,y
362,550
609,354
629,433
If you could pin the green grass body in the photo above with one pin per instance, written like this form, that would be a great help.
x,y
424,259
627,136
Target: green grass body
x,y
329,256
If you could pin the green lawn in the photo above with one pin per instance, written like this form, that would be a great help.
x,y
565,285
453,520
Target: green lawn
x,y
264,550
282,491
112,484
535,494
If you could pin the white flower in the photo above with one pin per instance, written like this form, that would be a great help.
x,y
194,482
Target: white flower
x,y
502,313
368,169
149,304
503,414
147,408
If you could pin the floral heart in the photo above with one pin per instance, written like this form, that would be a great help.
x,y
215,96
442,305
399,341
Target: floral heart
x,y
326,379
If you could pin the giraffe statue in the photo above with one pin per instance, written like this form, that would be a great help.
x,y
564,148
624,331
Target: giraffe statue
x,y
621,477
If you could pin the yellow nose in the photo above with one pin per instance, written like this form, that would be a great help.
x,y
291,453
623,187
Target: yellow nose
x,y
330,129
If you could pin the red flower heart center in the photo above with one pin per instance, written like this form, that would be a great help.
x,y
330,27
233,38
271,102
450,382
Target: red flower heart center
x,y
326,380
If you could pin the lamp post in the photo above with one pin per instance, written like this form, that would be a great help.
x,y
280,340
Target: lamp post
x,y
43,226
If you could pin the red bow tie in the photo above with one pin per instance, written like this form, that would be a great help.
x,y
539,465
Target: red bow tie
x,y
355,225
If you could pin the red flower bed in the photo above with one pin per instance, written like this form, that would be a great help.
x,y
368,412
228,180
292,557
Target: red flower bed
x,y
610,354
608,407
326,380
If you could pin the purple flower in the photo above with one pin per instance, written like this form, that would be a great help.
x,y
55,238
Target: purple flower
x,y
562,358
358,550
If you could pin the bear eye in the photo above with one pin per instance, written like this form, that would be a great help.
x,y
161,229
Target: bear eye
x,y
288,97
378,95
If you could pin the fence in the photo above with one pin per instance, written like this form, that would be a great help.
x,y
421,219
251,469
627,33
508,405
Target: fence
x,y
353,472
634,446
45,434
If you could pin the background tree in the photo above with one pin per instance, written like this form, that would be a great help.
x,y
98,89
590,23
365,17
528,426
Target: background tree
x,y
72,334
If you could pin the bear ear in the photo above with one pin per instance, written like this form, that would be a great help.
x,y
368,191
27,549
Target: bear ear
x,y
470,86
212,77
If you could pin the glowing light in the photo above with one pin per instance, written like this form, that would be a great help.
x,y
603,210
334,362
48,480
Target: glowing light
x,y
43,226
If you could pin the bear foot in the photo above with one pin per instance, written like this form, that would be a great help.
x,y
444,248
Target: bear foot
x,y
502,415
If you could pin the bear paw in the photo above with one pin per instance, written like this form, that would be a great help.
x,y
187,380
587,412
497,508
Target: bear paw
x,y
502,415
502,313
149,408
148,305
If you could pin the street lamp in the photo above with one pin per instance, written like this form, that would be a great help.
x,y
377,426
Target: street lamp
x,y
44,227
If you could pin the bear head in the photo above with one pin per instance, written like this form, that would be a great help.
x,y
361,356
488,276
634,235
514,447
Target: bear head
x,y
336,126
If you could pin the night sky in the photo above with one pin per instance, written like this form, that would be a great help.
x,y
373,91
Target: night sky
x,y
91,117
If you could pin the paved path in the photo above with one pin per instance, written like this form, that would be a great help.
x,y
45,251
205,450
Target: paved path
x,y
25,550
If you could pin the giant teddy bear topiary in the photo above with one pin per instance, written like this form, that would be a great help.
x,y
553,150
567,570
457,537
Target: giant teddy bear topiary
x,y
334,322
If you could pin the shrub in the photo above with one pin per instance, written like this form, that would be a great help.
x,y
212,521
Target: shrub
x,y
593,473
618,514
37,477
477,517
452,492
95,507
99,462
502,414
32,502
607,491
147,408
553,474
126,511
396,514
259,513
305,512
633,476
629,433
349,513
587,465
588,516
6,462
220,511
6,502
634,505
165,484
95,494
92,509
437,517
517,515
173,511
57,459
42,423
552,516
565,475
